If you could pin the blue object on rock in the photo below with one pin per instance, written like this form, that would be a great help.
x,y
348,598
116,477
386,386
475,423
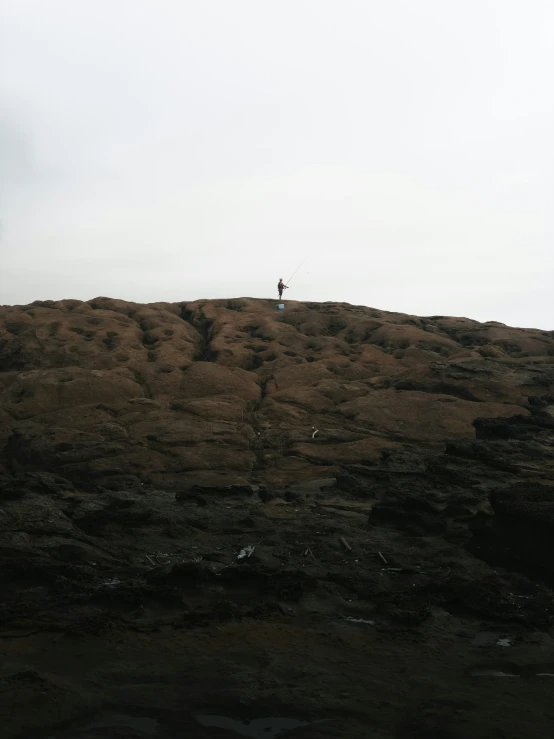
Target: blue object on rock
x,y
281,306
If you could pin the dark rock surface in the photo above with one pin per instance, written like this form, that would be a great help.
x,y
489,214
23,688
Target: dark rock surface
x,y
402,555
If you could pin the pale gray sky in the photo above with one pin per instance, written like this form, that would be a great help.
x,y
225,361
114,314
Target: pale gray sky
x,y
178,149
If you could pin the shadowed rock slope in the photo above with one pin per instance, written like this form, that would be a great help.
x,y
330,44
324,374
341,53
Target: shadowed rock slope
x,y
394,475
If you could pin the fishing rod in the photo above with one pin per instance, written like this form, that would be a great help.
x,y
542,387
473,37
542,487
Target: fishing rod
x,y
295,271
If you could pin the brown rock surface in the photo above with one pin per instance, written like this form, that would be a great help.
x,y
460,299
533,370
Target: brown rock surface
x,y
236,385
394,475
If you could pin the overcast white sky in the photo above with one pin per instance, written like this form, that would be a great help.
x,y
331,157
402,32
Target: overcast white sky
x,y
178,149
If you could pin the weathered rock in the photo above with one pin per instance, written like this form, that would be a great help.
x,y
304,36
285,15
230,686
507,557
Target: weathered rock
x,y
108,387
392,476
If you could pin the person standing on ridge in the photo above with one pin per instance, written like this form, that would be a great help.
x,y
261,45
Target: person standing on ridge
x,y
281,286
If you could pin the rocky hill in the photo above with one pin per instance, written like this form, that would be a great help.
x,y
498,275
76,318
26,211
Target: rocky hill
x,y
393,473
108,392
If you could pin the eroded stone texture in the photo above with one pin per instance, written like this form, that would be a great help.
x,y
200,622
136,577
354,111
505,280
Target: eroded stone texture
x,y
173,391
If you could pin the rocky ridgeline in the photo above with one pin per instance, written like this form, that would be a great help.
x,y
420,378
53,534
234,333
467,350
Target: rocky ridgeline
x,y
109,393
393,475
